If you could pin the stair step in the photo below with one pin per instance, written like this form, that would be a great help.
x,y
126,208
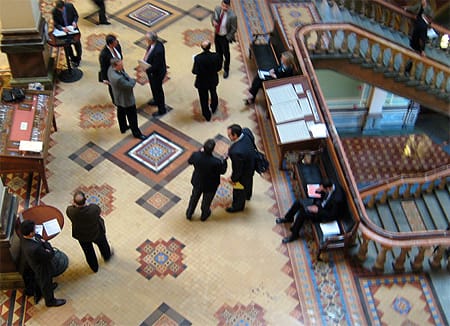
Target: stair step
x,y
386,217
399,215
435,210
426,217
443,197
372,213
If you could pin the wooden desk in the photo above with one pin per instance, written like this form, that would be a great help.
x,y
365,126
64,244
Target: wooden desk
x,y
294,115
29,120
41,214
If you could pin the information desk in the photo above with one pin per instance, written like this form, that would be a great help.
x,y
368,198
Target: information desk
x,y
71,74
40,215
25,132
295,119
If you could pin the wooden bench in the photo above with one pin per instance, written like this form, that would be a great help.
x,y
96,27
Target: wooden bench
x,y
312,168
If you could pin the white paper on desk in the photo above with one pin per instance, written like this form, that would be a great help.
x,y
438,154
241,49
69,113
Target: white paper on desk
x,y
293,131
60,33
298,88
330,228
30,146
38,228
283,93
286,111
143,64
304,104
318,130
52,227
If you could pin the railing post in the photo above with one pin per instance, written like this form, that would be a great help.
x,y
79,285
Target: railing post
x,y
363,248
435,259
381,259
417,264
399,264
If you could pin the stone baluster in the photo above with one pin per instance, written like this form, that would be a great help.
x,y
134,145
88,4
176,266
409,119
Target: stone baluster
x,y
363,248
435,259
399,263
417,264
381,259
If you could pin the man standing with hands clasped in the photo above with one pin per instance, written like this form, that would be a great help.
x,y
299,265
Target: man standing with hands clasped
x,y
88,227
206,66
225,26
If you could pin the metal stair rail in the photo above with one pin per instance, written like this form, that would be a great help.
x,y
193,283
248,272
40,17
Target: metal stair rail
x,y
359,46
323,34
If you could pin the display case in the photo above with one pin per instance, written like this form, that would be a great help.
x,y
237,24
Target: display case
x,y
25,129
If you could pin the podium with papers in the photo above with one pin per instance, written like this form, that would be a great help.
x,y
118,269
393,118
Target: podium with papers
x,y
296,121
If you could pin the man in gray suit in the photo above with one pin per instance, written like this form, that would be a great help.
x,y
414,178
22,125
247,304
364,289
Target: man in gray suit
x,y
122,87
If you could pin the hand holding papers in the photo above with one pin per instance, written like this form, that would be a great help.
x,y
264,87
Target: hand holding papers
x,y
144,65
312,190
70,30
264,74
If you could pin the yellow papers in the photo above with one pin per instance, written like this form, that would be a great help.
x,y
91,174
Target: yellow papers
x,y
238,186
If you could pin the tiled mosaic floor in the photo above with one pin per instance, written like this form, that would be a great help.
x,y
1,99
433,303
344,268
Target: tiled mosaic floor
x,y
231,270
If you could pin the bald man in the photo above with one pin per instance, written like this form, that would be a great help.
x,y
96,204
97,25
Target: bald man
x,y
206,66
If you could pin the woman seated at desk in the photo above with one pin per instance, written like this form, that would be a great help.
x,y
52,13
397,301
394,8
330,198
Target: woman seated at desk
x,y
285,69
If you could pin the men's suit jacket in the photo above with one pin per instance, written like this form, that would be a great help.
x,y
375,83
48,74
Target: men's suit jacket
x,y
282,72
122,87
157,59
206,66
207,171
333,207
85,222
38,256
242,155
231,23
105,60
71,14
419,35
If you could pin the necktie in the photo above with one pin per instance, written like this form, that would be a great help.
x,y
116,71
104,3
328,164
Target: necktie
x,y
219,22
65,17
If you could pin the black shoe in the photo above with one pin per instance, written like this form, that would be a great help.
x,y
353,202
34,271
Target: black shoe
x,y
104,23
205,217
249,101
151,102
188,216
55,303
124,131
225,74
281,220
37,298
213,110
208,118
233,210
289,239
76,63
141,137
158,114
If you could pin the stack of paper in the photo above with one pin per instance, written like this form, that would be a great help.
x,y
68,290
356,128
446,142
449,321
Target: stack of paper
x,y
330,229
281,93
286,111
293,131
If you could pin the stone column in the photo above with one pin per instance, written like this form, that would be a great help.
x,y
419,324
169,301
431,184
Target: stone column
x,y
375,112
24,40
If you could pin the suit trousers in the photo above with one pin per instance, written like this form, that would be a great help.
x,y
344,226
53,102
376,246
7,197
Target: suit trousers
x,y
256,85
206,202
203,94
89,251
298,214
223,50
130,114
101,11
74,58
158,92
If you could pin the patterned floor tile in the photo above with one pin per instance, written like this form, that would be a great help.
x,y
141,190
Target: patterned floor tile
x,y
97,116
252,314
165,316
161,258
194,37
199,12
14,307
101,196
88,156
88,320
221,114
158,201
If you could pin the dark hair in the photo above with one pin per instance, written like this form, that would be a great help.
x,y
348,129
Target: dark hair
x,y
235,129
209,145
110,39
327,183
79,198
59,4
27,227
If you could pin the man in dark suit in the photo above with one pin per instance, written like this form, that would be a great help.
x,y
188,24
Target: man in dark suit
x,y
242,155
101,12
156,58
225,26
205,179
111,50
324,209
38,254
64,15
88,227
122,87
206,66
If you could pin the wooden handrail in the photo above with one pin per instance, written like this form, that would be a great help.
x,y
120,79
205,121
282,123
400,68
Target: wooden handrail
x,y
367,227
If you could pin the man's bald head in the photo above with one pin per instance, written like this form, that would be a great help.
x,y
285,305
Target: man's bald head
x,y
206,45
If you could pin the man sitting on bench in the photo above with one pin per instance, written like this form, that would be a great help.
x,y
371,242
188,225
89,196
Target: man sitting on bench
x,y
324,209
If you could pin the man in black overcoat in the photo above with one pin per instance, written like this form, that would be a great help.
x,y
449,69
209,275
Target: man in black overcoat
x,y
111,50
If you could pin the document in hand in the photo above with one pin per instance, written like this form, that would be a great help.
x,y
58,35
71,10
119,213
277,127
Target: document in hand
x,y
263,74
312,190
144,65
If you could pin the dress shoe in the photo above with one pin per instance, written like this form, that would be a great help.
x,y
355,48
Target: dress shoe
x,y
76,63
188,216
213,110
205,217
158,114
37,298
289,239
151,102
208,118
233,210
55,303
124,131
249,101
281,220
225,74
141,137
104,23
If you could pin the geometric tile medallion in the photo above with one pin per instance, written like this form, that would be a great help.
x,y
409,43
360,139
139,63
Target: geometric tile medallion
x,y
220,115
224,194
400,300
95,42
158,200
161,258
165,316
253,314
97,116
15,307
143,14
88,156
99,195
88,320
199,12
156,152
194,37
